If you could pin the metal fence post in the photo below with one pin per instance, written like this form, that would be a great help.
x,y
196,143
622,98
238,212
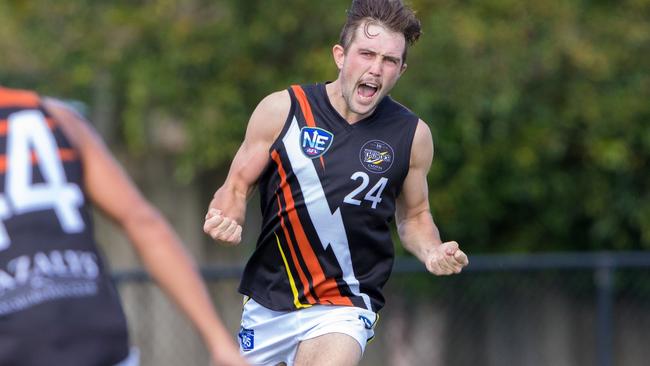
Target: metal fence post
x,y
603,276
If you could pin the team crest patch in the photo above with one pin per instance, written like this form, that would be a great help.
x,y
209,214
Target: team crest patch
x,y
376,156
247,339
315,141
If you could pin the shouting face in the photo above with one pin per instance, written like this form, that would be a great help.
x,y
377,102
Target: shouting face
x,y
368,69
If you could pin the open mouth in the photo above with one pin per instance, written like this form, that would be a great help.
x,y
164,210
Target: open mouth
x,y
367,90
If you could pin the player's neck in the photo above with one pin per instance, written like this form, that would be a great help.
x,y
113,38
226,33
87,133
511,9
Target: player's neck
x,y
337,100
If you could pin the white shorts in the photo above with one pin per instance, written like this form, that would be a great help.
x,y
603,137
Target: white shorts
x,y
269,337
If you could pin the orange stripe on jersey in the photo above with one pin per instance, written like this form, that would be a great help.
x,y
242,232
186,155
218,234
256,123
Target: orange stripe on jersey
x,y
326,288
64,155
4,125
18,98
294,258
304,105
306,111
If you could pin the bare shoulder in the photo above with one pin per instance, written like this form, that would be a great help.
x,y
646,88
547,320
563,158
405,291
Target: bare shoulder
x,y
74,125
422,149
276,103
57,108
60,109
269,116
423,134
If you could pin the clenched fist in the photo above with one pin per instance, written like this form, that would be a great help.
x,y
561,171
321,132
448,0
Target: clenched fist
x,y
221,228
446,259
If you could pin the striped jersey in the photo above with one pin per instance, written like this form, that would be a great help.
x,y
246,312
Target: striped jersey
x,y
327,199
58,305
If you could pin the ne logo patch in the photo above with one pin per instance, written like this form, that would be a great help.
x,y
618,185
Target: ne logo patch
x,y
315,141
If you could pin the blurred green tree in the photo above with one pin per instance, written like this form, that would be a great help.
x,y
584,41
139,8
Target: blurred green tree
x,y
539,110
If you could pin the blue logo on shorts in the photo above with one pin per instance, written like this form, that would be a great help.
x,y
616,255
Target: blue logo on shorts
x,y
366,322
247,339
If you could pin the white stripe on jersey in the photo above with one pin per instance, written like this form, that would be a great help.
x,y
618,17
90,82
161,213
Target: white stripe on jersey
x,y
328,225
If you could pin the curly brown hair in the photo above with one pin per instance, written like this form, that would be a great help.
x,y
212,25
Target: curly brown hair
x,y
392,14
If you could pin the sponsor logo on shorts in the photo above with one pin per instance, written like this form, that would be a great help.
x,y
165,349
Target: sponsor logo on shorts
x,y
366,322
376,156
315,141
247,338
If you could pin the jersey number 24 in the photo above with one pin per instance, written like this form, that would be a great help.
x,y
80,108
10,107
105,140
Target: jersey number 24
x,y
373,195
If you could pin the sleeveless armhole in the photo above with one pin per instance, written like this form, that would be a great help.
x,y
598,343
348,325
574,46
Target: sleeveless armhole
x,y
287,122
61,134
412,127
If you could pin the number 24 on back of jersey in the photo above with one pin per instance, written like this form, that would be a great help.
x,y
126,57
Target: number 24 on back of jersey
x,y
28,131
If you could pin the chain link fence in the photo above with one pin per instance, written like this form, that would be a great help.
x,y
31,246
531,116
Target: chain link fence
x,y
533,310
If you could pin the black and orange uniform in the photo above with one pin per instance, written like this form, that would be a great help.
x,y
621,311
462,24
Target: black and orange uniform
x,y
327,199
58,305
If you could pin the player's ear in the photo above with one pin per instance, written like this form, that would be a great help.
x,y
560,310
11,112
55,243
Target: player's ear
x,y
338,52
403,69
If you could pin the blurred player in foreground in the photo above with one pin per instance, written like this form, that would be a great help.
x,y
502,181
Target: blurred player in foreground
x,y
334,162
58,305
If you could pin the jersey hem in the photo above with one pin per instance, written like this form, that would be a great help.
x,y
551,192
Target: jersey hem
x,y
268,305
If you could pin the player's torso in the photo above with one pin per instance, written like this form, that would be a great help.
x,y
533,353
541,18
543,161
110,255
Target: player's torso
x,y
327,199
53,285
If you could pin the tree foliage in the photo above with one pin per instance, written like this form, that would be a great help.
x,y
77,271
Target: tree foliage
x,y
539,110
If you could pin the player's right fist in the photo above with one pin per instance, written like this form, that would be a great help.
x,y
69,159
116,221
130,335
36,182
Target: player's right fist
x,y
222,229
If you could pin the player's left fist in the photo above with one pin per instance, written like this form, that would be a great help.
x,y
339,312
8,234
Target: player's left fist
x,y
221,228
446,259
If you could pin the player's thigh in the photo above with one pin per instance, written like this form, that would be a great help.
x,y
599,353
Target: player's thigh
x,y
329,349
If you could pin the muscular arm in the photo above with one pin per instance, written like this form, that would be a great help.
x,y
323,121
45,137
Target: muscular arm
x,y
415,225
161,251
226,212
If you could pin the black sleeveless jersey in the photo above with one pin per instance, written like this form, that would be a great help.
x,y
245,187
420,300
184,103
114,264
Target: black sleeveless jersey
x,y
58,305
327,198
